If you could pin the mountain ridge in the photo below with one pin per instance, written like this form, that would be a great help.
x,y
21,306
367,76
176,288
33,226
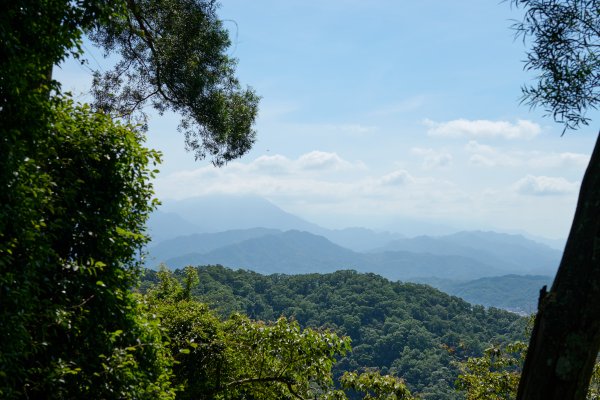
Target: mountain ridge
x,y
218,213
294,252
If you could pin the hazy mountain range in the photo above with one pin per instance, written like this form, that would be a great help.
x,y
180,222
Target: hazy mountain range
x,y
252,233
219,213
293,252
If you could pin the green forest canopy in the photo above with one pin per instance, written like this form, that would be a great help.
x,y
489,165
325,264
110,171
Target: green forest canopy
x,y
408,330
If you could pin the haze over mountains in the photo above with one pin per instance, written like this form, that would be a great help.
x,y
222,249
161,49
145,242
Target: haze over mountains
x,y
252,233
517,293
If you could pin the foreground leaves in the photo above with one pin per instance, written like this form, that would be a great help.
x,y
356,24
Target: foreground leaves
x,y
72,219
495,376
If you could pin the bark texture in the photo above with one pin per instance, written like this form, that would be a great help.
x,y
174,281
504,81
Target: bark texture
x,y
566,336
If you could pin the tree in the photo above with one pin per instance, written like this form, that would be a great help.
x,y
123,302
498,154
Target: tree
x,y
238,358
75,192
495,375
385,334
173,55
71,325
565,340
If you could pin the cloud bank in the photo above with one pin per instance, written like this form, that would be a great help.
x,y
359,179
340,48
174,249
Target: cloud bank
x,y
545,186
464,128
320,185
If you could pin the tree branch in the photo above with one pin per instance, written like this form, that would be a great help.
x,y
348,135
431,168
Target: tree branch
x,y
287,381
147,38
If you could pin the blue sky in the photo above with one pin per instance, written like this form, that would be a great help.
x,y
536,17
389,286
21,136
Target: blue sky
x,y
374,111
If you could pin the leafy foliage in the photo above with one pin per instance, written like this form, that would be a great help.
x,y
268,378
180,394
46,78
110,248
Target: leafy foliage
x,y
407,330
174,55
73,225
565,41
238,358
566,335
376,386
75,195
594,388
495,375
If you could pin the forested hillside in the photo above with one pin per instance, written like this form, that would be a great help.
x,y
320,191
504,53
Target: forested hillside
x,y
410,330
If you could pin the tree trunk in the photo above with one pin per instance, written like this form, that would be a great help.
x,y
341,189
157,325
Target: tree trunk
x,y
566,336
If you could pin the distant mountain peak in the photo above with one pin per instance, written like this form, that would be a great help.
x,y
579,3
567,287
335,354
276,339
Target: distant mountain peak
x,y
217,213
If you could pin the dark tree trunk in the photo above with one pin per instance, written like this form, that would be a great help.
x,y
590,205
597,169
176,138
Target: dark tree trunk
x,y
566,335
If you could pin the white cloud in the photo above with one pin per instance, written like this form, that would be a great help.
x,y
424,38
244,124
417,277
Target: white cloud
x,y
460,128
433,158
488,156
325,185
312,173
276,164
396,178
320,160
479,160
475,147
545,186
560,160
313,179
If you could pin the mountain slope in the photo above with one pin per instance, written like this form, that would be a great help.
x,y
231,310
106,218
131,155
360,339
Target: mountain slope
x,y
411,330
288,252
218,213
518,293
510,253
295,252
202,243
166,225
407,266
211,214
